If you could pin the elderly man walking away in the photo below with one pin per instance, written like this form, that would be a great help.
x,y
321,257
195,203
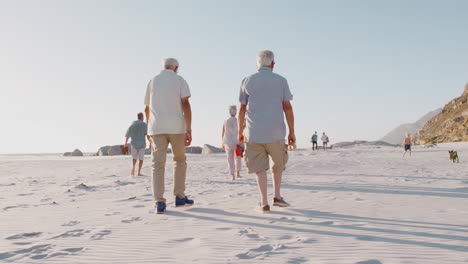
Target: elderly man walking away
x,y
169,117
264,96
137,132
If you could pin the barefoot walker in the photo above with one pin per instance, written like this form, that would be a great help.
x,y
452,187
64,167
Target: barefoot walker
x,y
264,96
137,132
170,120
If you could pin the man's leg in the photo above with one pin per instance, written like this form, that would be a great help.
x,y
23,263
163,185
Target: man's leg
x,y
180,164
279,155
257,161
159,166
133,168
140,165
141,157
262,182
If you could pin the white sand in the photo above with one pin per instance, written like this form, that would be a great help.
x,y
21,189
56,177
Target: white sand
x,y
357,205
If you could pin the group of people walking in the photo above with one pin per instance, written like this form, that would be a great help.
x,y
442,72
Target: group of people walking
x,y
259,132
324,139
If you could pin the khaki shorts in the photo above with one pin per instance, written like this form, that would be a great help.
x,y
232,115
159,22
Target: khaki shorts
x,y
257,156
138,154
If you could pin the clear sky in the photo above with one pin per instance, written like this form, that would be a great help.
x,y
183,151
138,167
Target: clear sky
x,y
73,73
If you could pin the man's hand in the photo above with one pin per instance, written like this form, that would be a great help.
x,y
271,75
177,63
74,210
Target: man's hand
x,y
188,138
223,147
291,139
241,138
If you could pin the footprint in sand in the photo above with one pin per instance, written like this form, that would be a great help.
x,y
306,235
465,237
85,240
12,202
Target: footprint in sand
x,y
249,233
124,183
297,260
15,206
114,213
71,223
24,235
306,240
34,252
262,251
72,233
99,235
133,219
72,250
24,194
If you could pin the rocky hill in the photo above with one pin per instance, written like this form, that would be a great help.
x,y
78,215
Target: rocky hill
x,y
451,125
397,135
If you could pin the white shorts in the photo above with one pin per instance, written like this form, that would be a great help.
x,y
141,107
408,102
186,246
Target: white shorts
x,y
138,154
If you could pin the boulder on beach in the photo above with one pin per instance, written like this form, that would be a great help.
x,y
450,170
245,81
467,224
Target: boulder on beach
x,y
112,150
194,150
76,153
209,149
115,150
103,151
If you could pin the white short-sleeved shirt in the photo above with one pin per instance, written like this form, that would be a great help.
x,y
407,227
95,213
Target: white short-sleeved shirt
x,y
230,133
264,93
325,138
163,96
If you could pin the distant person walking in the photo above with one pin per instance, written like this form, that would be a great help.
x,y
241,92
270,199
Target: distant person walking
x,y
137,133
314,140
169,118
231,143
325,141
264,101
407,144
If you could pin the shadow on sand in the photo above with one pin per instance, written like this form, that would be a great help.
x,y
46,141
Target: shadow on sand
x,y
217,215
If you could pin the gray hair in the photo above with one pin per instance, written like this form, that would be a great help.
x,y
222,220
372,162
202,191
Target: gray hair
x,y
170,63
265,58
232,110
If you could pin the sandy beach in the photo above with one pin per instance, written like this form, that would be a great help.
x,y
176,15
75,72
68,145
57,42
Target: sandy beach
x,y
353,205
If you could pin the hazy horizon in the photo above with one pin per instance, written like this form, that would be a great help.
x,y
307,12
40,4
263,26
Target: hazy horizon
x,y
74,73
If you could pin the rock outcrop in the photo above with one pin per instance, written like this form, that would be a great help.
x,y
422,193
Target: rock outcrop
x,y
209,149
102,151
397,135
194,150
112,150
451,125
75,153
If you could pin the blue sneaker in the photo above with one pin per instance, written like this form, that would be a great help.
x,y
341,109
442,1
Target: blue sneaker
x,y
160,207
183,201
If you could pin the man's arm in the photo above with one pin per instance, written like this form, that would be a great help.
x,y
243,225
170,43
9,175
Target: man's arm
x,y
147,113
186,108
288,111
241,122
126,141
222,137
